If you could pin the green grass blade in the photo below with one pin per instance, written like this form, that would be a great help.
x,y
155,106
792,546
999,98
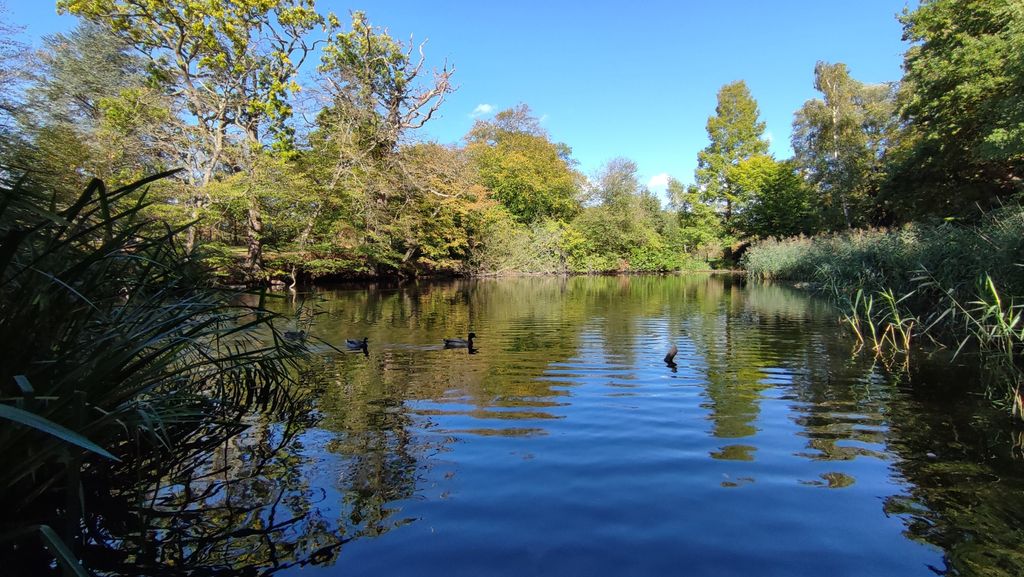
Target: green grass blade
x,y
61,551
49,427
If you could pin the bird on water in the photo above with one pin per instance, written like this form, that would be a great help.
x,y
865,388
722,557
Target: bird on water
x,y
460,343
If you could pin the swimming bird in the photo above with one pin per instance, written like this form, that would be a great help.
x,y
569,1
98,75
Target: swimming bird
x,y
354,344
460,343
294,335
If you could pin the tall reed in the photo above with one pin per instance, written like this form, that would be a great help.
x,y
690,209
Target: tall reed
x,y
953,283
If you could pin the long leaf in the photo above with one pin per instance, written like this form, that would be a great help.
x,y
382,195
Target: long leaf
x,y
61,551
49,427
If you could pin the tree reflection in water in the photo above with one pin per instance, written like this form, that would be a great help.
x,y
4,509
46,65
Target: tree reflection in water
x,y
295,491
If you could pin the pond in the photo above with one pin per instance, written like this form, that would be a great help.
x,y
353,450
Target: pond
x,y
567,446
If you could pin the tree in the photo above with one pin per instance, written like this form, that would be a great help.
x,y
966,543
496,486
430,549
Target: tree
x,y
518,119
12,58
699,225
625,219
962,100
736,134
532,176
232,65
839,140
88,105
375,79
361,151
617,183
778,200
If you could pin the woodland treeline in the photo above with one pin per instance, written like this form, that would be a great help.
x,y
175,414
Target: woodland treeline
x,y
301,155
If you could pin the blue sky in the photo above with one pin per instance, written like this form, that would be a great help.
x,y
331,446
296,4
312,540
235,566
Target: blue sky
x,y
610,79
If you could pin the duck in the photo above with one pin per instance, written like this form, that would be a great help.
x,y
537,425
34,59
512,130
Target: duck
x,y
294,335
460,343
356,344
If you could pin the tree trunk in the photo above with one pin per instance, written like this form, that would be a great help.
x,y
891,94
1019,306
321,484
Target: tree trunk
x,y
254,237
201,198
254,234
835,165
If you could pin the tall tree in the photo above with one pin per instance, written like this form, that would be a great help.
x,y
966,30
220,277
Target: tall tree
x,y
624,219
699,226
376,80
232,65
839,140
533,177
617,182
377,95
90,106
519,119
736,134
963,101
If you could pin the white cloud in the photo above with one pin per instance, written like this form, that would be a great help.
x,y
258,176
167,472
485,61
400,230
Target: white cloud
x,y
768,136
658,183
481,109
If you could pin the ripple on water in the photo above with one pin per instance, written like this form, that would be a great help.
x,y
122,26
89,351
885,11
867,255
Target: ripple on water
x,y
568,446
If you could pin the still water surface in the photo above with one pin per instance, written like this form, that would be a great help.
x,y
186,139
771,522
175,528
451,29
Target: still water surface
x,y
566,446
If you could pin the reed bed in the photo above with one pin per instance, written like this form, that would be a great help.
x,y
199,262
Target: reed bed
x,y
950,284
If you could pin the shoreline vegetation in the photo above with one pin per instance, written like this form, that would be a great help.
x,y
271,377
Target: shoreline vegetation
x,y
125,373
950,285
341,182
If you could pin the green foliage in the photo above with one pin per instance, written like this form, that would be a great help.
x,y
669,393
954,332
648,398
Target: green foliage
x,y
117,346
88,106
373,81
955,255
662,259
937,281
995,325
736,134
231,68
526,172
777,201
951,283
13,54
699,227
201,46
507,246
840,139
962,98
